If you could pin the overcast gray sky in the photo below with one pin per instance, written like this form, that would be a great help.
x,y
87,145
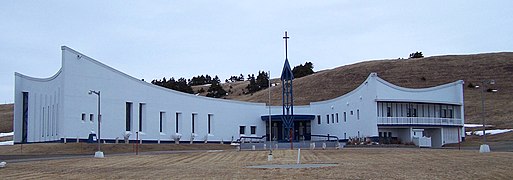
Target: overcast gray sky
x,y
155,39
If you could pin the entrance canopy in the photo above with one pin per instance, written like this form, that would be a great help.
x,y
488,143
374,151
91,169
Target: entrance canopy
x,y
300,117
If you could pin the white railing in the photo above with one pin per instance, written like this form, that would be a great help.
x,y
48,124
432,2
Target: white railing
x,y
418,121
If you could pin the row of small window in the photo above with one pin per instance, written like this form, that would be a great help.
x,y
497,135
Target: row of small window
x,y
334,117
242,130
91,117
162,118
391,109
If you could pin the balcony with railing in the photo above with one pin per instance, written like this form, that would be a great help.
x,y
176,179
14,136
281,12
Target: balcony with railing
x,y
430,121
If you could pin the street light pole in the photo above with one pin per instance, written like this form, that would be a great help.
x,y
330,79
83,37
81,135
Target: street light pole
x,y
270,156
99,153
483,119
484,148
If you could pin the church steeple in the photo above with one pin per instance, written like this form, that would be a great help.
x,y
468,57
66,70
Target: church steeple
x,y
286,73
287,96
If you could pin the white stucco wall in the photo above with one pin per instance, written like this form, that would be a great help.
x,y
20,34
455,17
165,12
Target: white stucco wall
x,y
65,98
360,101
45,107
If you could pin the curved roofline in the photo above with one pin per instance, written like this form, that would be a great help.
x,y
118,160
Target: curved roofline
x,y
391,86
417,89
39,79
347,94
152,85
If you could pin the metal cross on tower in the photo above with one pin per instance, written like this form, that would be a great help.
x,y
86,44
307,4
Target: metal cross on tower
x,y
287,96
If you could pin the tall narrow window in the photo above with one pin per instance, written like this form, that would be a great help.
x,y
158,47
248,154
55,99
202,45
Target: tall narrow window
x,y
177,117
357,114
337,117
209,123
318,119
193,121
242,130
389,111
83,116
128,116
253,129
91,117
141,116
162,118
345,117
25,117
332,118
327,119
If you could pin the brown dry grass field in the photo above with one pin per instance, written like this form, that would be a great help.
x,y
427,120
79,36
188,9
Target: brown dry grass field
x,y
6,117
43,149
353,163
412,73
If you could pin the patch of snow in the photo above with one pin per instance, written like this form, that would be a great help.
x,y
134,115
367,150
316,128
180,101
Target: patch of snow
x,y
490,132
6,134
475,125
7,143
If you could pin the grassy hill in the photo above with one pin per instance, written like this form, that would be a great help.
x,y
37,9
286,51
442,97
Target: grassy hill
x,y
412,73
6,117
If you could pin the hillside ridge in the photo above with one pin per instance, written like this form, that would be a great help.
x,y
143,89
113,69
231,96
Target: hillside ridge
x,y
410,73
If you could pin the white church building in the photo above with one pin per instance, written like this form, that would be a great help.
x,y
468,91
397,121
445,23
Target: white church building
x,y
59,107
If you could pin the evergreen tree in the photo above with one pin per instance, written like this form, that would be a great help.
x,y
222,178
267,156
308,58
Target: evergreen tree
x,y
261,82
216,90
416,55
303,70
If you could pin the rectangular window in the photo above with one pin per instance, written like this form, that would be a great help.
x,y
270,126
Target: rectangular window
x,y
25,111
209,123
337,117
162,119
389,111
327,119
357,114
345,117
91,117
351,113
318,119
83,116
177,117
253,129
141,116
193,121
332,118
128,116
242,130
